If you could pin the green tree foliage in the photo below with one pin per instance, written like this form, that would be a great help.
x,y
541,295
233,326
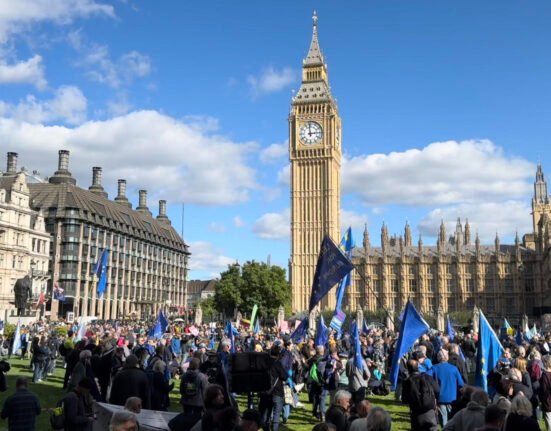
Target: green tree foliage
x,y
253,283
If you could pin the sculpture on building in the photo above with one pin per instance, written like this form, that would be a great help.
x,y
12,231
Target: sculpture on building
x,y
23,293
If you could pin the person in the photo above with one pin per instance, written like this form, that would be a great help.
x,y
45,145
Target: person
x,y
520,416
278,376
471,416
21,408
504,393
79,369
134,405
131,381
41,354
214,404
378,419
545,391
420,392
357,379
160,388
359,422
251,420
78,407
192,388
337,413
123,421
494,417
449,380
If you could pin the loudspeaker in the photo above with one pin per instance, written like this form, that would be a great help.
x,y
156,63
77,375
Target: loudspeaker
x,y
250,372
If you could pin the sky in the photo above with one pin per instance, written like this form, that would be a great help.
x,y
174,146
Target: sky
x,y
445,108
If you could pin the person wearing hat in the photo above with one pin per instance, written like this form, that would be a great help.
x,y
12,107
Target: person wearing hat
x,y
424,363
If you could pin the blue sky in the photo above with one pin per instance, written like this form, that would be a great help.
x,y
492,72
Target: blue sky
x,y
445,109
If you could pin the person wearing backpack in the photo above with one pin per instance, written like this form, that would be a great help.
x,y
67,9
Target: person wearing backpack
x,y
420,392
449,380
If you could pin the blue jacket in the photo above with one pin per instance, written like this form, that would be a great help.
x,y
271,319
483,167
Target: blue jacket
x,y
450,380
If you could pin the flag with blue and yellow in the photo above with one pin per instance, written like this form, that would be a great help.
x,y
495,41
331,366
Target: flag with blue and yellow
x,y
346,245
489,350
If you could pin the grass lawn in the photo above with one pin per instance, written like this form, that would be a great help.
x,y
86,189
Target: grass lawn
x,y
50,392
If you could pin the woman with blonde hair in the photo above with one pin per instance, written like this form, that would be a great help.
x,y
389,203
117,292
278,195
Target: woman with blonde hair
x,y
520,415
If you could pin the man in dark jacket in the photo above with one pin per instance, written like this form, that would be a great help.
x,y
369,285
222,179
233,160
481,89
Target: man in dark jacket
x,y
21,408
279,376
337,413
78,409
420,392
131,381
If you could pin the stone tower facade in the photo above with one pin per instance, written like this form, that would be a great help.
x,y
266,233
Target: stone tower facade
x,y
315,156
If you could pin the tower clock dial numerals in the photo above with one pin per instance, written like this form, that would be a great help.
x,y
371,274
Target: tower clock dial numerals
x,y
311,133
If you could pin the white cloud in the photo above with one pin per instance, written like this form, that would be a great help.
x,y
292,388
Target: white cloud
x,y
208,259
273,225
100,67
30,71
119,106
284,176
20,14
442,173
68,105
274,153
217,227
238,221
351,218
505,218
271,80
149,149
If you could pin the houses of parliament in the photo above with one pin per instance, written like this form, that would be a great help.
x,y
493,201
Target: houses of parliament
x,y
454,275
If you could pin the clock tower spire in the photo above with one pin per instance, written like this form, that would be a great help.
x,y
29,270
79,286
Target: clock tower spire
x,y
315,156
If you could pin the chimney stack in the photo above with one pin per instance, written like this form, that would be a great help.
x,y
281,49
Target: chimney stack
x,y
162,212
12,163
143,202
62,175
121,196
96,186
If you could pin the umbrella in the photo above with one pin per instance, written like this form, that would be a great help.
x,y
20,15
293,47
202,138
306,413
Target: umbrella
x,y
178,319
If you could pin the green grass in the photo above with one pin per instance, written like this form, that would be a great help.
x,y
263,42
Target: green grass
x,y
50,392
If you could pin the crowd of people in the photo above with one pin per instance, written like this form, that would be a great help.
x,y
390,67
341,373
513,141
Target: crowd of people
x,y
124,365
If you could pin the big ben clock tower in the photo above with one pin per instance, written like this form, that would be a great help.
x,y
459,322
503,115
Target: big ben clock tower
x,y
315,155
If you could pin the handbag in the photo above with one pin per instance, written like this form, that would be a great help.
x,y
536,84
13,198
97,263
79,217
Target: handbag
x,y
57,417
288,396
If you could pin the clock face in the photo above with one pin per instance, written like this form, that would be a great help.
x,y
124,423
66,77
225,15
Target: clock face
x,y
311,133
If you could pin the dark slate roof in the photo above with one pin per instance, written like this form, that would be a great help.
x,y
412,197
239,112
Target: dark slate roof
x,y
97,209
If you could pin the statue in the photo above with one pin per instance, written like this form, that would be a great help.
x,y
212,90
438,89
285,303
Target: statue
x,y
280,315
359,319
440,323
390,320
476,319
198,315
22,290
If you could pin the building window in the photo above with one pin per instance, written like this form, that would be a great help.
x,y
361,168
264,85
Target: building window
x,y
469,285
14,261
394,285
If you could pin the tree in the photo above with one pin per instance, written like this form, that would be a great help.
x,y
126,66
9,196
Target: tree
x,y
253,283
227,293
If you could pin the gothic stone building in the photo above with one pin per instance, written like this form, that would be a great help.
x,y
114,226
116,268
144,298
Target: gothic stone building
x,y
455,275
148,260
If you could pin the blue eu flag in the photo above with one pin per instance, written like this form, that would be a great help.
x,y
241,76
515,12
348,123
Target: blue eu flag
x,y
101,271
358,359
322,334
332,266
449,329
413,326
300,332
489,351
